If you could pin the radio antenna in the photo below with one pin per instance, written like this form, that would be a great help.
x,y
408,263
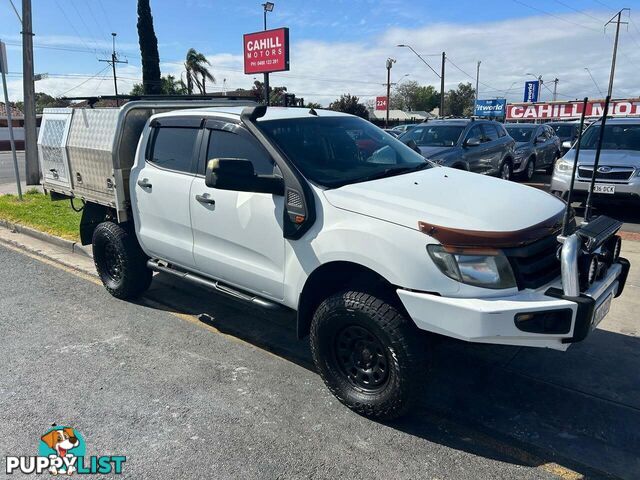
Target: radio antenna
x,y
567,210
587,210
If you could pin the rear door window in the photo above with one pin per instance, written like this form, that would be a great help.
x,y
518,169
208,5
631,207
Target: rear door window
x,y
490,132
173,148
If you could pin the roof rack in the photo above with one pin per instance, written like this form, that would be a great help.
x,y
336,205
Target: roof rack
x,y
92,100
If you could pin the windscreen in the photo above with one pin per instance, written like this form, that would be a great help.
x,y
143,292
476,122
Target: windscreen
x,y
434,135
616,137
520,134
563,130
335,151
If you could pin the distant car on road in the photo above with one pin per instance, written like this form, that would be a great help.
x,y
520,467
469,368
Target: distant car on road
x,y
566,132
404,128
480,146
537,146
618,174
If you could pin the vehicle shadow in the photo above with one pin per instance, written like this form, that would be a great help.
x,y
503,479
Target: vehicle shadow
x,y
580,408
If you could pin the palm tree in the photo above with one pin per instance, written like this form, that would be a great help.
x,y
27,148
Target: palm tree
x,y
196,65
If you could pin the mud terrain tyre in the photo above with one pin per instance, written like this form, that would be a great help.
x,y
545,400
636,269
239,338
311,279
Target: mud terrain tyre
x,y
120,262
369,354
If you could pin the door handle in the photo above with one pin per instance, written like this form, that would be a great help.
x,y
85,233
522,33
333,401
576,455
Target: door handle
x,y
144,183
205,199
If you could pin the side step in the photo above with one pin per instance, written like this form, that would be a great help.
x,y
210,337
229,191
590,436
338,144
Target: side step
x,y
214,284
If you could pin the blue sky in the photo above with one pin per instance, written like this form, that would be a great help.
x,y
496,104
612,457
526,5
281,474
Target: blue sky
x,y
337,45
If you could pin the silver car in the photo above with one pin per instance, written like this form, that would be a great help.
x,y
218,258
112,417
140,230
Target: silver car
x,y
618,174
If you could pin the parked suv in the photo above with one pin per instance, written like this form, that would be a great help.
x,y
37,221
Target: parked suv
x,y
566,132
480,146
537,146
618,175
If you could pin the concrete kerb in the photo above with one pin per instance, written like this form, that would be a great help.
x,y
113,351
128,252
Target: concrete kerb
x,y
69,245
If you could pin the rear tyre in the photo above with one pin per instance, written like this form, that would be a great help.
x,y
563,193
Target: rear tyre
x,y
120,262
506,171
368,353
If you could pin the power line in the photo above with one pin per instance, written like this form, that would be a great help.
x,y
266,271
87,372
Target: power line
x,y
544,12
73,4
599,20
73,26
82,83
493,89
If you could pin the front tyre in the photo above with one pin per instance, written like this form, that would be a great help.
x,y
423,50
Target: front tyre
x,y
368,353
120,262
505,170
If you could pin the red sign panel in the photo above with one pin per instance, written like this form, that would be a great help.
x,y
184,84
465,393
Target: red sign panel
x,y
381,103
266,51
524,111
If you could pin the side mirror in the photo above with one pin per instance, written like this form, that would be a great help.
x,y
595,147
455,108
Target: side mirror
x,y
472,142
540,139
413,145
238,174
567,144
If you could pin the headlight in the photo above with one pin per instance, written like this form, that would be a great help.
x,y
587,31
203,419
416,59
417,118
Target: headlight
x,y
564,166
479,267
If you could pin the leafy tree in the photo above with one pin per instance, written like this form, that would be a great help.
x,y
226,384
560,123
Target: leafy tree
x,y
276,94
348,103
44,100
168,86
197,71
148,49
313,105
459,102
412,96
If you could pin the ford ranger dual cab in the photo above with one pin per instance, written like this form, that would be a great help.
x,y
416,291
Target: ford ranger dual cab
x,y
368,242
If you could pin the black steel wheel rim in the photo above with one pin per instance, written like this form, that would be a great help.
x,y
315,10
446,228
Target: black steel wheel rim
x,y
112,263
361,358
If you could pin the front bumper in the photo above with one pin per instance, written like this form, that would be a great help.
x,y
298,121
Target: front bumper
x,y
492,320
625,191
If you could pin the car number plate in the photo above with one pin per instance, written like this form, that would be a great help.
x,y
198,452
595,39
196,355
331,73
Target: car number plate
x,y
610,189
602,311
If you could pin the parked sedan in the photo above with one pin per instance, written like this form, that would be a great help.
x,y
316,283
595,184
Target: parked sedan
x,y
537,146
390,131
618,174
566,132
480,146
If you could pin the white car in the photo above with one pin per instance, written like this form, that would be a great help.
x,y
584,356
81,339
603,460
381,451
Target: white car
x,y
325,214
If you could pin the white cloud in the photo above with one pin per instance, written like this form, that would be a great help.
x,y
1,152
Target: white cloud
x,y
322,70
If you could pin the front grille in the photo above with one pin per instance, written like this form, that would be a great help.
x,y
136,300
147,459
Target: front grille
x,y
536,264
620,174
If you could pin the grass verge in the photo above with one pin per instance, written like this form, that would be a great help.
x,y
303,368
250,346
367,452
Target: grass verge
x,y
39,212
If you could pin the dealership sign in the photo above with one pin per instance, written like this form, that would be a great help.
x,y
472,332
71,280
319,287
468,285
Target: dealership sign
x,y
494,107
266,51
617,108
531,90
381,103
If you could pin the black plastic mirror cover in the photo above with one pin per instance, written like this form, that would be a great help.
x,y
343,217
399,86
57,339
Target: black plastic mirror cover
x,y
472,142
238,174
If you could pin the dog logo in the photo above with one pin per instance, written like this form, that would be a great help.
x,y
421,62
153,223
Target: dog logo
x,y
64,443
61,451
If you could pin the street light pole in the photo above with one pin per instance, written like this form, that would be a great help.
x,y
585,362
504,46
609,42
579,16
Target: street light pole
x,y
477,80
267,7
28,88
444,59
555,89
390,62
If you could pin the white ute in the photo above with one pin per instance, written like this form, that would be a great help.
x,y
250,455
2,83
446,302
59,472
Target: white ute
x,y
327,215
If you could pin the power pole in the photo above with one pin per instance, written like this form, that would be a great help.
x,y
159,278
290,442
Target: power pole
x,y
477,81
444,58
555,89
112,62
266,7
615,46
32,168
390,62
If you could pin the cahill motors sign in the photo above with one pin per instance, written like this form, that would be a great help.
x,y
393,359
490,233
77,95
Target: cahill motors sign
x,y
266,51
566,110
